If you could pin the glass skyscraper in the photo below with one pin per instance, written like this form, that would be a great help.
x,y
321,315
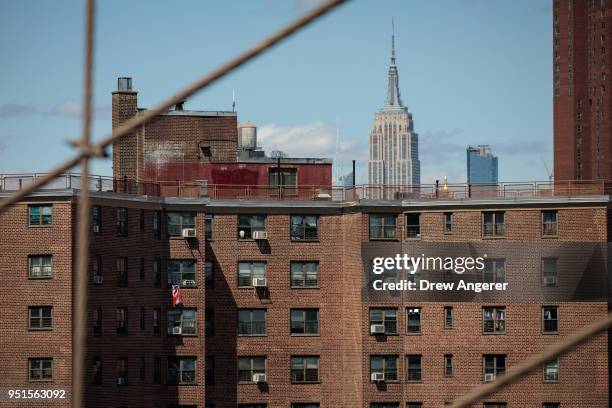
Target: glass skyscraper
x,y
481,165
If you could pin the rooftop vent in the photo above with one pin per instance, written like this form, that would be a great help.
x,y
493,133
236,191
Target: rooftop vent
x,y
179,105
124,84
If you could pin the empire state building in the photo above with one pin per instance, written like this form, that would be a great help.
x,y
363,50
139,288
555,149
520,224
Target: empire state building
x,y
393,144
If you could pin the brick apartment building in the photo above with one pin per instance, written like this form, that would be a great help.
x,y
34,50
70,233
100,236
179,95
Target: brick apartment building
x,y
312,335
582,57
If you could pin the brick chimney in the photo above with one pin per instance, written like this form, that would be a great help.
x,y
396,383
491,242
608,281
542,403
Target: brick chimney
x,y
126,151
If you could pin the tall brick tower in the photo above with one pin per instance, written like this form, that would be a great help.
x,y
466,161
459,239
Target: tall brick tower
x,y
125,151
582,50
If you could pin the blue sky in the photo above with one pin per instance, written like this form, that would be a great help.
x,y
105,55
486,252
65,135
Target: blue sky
x,y
471,72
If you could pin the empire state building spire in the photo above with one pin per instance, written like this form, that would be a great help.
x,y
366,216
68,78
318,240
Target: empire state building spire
x,y
393,100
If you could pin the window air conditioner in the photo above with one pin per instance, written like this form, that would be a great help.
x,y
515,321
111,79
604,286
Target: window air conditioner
x,y
120,381
98,279
378,377
550,280
260,235
260,282
188,283
177,330
259,378
96,228
377,329
189,233
489,377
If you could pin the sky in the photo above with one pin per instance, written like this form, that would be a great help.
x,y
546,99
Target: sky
x,y
470,71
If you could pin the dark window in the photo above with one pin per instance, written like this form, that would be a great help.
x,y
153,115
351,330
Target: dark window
x,y
40,318
305,405
157,224
549,223
41,214
304,369
413,225
384,405
494,271
251,322
494,320
249,366
40,369
413,320
247,224
182,272
247,271
97,322
208,226
156,322
448,317
550,319
96,219
122,371
122,322
495,405
493,365
177,222
304,228
142,318
209,272
97,268
413,363
551,371
448,365
157,370
209,322
209,370
304,274
122,272
414,405
97,371
383,316
122,222
304,321
383,226
285,178
39,266
493,224
551,405
182,322
142,220
142,368
252,405
549,272
156,272
181,370
142,269
448,223
386,365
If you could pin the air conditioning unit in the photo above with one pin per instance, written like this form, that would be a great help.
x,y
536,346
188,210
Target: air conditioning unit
x,y
96,228
120,381
377,329
550,280
188,283
489,377
189,233
378,377
260,282
98,279
259,378
177,330
260,235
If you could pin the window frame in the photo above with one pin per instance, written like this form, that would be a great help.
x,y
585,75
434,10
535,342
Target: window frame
x,y
385,359
304,274
449,370
304,321
556,365
495,321
181,223
446,317
552,226
41,318
408,368
304,370
42,266
252,272
410,310
42,377
545,273
96,219
181,272
248,228
304,236
498,229
384,320
252,370
413,231
447,222
121,268
122,320
41,216
174,316
384,230
496,370
178,377
556,320
251,322
122,226
495,264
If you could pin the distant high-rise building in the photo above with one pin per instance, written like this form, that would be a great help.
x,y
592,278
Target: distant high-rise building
x,y
481,165
582,52
393,144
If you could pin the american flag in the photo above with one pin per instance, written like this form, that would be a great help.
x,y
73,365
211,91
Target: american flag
x,y
177,297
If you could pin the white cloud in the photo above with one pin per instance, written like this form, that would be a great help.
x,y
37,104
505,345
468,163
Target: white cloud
x,y
74,109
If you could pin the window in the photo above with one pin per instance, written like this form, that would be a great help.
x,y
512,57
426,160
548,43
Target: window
x,y
550,319
413,225
247,271
208,274
182,322
156,321
122,272
252,322
156,272
157,370
39,266
384,405
122,371
448,317
249,366
96,218
304,321
304,228
549,272
178,221
386,317
143,367
40,369
493,365
551,370
386,365
208,227
142,269
209,370
493,224
494,320
448,223
383,226
414,405
41,214
305,405
551,405
122,325
284,177
209,322
97,322
122,222
494,271
448,365
142,220
97,268
157,224
495,405
549,223
413,362
247,224
252,405
181,370
97,370
304,274
142,318
413,320
39,318
304,369
182,272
